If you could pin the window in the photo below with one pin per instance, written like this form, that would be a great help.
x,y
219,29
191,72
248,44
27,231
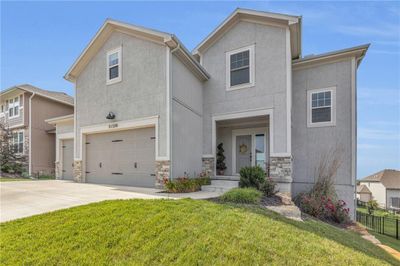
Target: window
x,y
114,66
18,142
240,68
321,107
13,107
395,203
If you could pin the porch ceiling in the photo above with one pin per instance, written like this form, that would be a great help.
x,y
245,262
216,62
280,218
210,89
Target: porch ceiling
x,y
256,121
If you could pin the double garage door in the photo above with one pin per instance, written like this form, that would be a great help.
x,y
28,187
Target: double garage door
x,y
121,158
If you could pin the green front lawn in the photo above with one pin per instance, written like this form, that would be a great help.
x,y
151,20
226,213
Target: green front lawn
x,y
7,179
181,232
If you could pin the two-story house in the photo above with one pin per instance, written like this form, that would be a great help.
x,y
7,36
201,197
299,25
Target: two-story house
x,y
24,109
148,109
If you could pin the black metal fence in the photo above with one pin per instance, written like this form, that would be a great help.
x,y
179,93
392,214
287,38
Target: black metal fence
x,y
380,224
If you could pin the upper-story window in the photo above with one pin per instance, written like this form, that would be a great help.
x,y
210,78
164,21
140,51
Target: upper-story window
x,y
13,107
321,107
18,142
240,68
114,66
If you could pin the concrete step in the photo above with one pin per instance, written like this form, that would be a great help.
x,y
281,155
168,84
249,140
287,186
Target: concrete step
x,y
220,185
226,177
210,188
224,183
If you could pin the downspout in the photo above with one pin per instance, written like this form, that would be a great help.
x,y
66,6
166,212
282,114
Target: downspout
x,y
30,133
170,109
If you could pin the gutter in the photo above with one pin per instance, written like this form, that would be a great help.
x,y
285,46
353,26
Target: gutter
x,y
30,133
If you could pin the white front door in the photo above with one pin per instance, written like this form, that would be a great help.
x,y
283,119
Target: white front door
x,y
250,148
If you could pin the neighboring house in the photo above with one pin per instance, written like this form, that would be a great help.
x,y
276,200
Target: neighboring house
x,y
147,109
24,109
384,187
363,193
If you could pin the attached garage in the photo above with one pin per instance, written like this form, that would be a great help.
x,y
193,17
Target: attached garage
x,y
67,159
124,157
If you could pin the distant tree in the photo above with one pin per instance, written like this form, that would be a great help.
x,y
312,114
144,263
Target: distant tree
x,y
11,161
372,205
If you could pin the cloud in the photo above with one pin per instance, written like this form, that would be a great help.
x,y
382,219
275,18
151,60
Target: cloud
x,y
379,96
386,30
374,51
378,134
366,146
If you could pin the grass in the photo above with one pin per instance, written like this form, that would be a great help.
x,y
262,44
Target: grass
x,y
242,195
387,240
181,232
8,179
379,212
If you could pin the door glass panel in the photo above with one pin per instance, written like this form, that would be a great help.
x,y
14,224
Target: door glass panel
x,y
260,150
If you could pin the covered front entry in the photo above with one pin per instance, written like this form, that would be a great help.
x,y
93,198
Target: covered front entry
x,y
250,148
245,142
124,157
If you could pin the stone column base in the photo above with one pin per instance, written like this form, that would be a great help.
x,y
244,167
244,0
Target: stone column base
x,y
280,170
162,173
77,172
208,166
57,170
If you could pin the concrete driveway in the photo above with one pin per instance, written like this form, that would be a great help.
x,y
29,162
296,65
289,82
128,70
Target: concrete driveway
x,y
25,198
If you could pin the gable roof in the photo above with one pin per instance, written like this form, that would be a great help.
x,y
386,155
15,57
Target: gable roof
x,y
160,37
52,95
389,178
363,189
240,14
357,51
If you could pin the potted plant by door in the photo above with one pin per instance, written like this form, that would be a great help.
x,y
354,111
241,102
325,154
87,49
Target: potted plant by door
x,y
220,160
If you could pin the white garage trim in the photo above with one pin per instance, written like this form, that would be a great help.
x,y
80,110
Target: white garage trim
x,y
152,121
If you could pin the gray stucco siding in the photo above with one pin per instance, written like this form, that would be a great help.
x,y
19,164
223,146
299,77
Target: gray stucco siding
x,y
270,79
140,94
187,108
310,144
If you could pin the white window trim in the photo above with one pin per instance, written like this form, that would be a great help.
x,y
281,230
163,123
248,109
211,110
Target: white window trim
x,y
333,107
119,78
13,106
251,49
23,140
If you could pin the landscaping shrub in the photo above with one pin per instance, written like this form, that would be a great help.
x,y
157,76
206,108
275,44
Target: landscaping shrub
x,y
252,176
321,201
242,195
372,205
268,187
185,184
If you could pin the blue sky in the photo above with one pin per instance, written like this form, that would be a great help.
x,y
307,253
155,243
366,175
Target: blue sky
x,y
41,40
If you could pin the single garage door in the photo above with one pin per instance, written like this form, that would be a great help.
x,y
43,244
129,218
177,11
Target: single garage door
x,y
121,158
67,157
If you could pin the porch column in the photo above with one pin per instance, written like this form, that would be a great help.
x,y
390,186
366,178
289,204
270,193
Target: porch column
x,y
280,170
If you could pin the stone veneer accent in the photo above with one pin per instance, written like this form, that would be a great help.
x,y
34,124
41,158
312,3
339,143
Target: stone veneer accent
x,y
208,166
162,173
77,172
280,170
57,168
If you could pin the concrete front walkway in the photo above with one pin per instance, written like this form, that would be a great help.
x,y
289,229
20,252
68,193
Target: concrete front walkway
x,y
26,198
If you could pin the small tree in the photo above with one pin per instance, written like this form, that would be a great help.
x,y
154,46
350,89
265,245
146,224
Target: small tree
x,y
220,159
10,160
372,205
